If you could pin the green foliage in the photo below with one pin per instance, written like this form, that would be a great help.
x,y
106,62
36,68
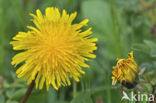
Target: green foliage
x,y
85,98
38,97
152,46
120,25
2,98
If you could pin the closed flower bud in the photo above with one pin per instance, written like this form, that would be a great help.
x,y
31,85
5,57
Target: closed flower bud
x,y
126,72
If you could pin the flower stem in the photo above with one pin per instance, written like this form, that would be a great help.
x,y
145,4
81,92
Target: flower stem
x,y
74,88
116,27
28,92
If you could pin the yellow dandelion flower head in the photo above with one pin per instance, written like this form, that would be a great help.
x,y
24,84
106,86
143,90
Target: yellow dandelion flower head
x,y
126,70
54,50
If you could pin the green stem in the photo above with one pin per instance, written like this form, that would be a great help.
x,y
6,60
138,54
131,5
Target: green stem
x,y
116,28
108,90
117,42
74,88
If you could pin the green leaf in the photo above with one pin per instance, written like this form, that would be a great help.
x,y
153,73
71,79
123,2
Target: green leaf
x,y
148,85
38,96
9,101
19,93
10,93
152,45
82,97
1,98
1,59
99,14
17,85
5,84
140,48
52,96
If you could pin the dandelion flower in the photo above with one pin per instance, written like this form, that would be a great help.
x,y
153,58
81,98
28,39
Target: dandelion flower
x,y
54,50
126,71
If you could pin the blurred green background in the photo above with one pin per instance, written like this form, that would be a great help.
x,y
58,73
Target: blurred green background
x,y
120,26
